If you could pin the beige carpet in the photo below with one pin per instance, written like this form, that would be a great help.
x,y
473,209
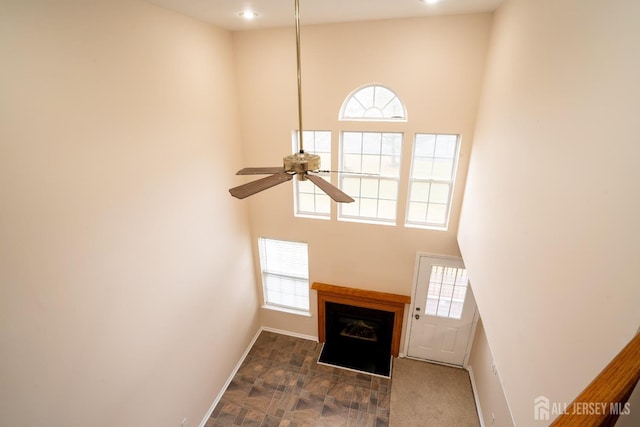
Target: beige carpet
x,y
424,394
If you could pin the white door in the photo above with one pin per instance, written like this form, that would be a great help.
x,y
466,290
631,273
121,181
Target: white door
x,y
442,311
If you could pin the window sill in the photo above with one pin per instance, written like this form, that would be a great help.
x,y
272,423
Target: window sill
x,y
287,310
311,216
366,221
427,227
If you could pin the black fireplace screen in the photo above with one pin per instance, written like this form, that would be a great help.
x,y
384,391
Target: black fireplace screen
x,y
358,338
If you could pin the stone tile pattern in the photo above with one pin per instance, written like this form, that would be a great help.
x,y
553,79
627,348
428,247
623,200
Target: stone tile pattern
x,y
280,384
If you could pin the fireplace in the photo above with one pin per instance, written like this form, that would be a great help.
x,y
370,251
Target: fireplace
x,y
360,329
358,338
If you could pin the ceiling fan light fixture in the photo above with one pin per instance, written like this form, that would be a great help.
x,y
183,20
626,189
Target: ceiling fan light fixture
x,y
248,15
301,163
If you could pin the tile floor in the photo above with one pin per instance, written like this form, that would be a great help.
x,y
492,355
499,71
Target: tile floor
x,y
280,384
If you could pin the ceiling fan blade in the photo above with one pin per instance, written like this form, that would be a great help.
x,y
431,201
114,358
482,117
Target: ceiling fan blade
x,y
254,187
260,171
334,192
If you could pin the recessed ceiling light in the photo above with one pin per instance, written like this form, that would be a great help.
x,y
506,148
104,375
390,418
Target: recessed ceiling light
x,y
248,14
430,1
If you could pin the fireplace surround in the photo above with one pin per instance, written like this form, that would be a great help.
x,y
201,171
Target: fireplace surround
x,y
360,323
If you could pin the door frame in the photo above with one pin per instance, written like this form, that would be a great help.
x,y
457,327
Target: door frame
x,y
412,306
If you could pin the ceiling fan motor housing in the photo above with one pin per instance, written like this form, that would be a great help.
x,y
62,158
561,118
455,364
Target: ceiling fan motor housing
x,y
301,163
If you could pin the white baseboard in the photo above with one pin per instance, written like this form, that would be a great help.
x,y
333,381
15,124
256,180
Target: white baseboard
x,y
475,394
226,384
244,355
291,334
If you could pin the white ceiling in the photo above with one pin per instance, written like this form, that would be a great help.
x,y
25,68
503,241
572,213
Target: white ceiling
x,y
280,13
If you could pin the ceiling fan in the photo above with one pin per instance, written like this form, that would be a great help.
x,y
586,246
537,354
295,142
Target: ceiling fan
x,y
304,165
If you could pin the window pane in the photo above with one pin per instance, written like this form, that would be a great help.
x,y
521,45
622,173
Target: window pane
x,y
369,208
434,290
420,191
436,214
365,96
446,146
422,167
442,168
388,189
439,193
306,202
325,160
323,203
432,306
351,186
390,166
456,310
382,97
459,293
323,142
352,163
425,145
443,307
373,113
462,278
417,212
371,142
352,142
371,164
354,108
391,146
387,209
350,209
369,188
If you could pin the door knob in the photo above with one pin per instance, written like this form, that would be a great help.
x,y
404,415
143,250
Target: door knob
x,y
417,316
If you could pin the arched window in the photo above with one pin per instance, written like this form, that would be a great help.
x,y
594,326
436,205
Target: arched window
x,y
370,159
375,103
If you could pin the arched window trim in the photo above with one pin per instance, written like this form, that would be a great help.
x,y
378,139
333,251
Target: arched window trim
x,y
397,118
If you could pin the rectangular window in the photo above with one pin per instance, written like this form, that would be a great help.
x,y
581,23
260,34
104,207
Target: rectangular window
x,y
285,275
370,173
309,200
433,169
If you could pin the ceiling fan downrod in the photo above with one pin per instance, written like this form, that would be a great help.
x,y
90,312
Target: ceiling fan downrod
x,y
299,69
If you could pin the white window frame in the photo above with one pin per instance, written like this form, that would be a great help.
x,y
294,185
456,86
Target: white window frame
x,y
284,267
378,104
319,196
443,226
362,175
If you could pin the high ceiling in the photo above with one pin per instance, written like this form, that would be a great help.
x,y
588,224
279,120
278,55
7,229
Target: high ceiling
x,y
279,13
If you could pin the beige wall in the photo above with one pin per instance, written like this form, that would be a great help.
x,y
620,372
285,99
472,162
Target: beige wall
x,y
489,392
435,65
549,230
127,292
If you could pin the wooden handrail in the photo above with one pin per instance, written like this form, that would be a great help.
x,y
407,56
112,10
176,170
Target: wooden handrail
x,y
601,402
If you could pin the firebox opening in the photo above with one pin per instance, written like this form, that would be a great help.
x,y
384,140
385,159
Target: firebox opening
x,y
358,338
